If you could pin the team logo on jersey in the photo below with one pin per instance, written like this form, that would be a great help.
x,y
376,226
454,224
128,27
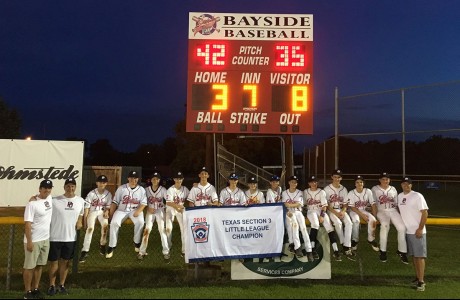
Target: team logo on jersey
x,y
69,205
200,232
206,24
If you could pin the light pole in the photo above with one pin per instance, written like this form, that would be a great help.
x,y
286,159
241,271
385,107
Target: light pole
x,y
283,151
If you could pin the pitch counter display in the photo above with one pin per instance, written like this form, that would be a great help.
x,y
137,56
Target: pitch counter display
x,y
250,73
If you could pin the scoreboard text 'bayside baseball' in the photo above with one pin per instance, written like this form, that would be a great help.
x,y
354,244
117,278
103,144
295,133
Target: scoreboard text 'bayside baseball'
x,y
250,73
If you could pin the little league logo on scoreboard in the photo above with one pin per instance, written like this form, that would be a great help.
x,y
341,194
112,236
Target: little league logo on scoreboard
x,y
250,73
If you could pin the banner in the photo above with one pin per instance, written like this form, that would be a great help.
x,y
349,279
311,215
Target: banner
x,y
231,232
25,163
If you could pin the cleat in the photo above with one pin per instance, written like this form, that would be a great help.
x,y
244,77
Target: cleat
x,y
354,245
29,295
403,257
140,256
182,254
350,255
102,249
374,245
83,256
420,286
62,290
109,253
291,248
337,256
315,255
298,253
37,294
167,258
310,256
51,291
137,247
383,256
414,282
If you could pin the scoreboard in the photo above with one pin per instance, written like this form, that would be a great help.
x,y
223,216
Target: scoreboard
x,y
250,73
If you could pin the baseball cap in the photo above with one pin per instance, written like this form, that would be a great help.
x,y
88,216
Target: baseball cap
x,y
252,180
203,169
275,178
102,178
70,181
47,184
156,174
178,174
337,172
133,174
293,177
406,179
312,178
384,174
359,177
233,176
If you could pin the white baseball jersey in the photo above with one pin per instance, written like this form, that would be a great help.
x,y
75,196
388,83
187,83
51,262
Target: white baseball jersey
x,y
315,200
96,202
386,199
292,198
155,198
64,219
128,199
177,196
273,196
256,197
39,213
232,198
410,206
360,200
202,195
336,197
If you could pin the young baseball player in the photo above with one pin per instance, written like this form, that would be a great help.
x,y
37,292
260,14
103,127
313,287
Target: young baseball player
x,y
129,202
359,199
253,194
203,193
175,200
97,206
37,220
156,195
68,210
336,196
232,195
385,197
274,192
293,200
315,199
414,212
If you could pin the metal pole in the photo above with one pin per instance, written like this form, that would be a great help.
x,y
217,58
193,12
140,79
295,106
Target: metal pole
x,y
403,132
336,161
10,257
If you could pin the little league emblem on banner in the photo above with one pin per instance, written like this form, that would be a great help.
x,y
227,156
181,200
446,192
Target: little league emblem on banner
x,y
200,232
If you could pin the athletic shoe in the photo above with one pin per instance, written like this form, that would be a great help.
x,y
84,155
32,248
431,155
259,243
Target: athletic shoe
x,y
298,253
182,254
62,290
102,249
350,255
420,286
374,245
291,248
51,291
337,256
29,295
140,256
354,245
167,258
37,294
310,256
403,257
414,282
83,256
109,253
315,255
137,247
383,256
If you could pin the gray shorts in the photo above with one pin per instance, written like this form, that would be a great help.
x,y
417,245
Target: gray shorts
x,y
416,247
38,256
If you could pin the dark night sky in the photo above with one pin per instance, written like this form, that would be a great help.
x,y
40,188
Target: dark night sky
x,y
118,69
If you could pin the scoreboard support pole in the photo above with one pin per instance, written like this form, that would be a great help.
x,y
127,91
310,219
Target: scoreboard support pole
x,y
289,157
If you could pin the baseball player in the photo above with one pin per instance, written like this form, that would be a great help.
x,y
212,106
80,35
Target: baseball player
x,y
68,210
385,196
253,194
175,198
232,195
156,195
129,202
97,206
203,193
336,196
293,200
315,199
359,199
274,192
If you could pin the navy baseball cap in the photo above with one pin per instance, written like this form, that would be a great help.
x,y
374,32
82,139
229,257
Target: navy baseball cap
x,y
102,178
203,169
178,174
133,174
233,176
406,179
47,184
275,178
337,172
312,179
70,181
252,180
384,174
293,177
156,174
359,177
